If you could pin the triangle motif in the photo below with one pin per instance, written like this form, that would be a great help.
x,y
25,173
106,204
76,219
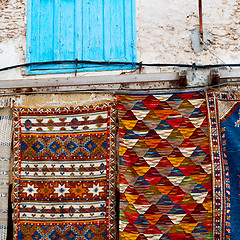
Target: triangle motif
x,y
150,102
152,157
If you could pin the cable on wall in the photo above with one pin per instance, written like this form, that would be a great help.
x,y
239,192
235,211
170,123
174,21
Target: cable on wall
x,y
139,64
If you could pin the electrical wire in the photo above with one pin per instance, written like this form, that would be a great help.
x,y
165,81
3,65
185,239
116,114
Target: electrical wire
x,y
139,66
133,64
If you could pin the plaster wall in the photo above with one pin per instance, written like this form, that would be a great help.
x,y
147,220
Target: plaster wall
x,y
163,35
49,100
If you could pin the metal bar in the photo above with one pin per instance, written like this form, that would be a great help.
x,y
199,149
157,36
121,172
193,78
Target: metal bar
x,y
200,19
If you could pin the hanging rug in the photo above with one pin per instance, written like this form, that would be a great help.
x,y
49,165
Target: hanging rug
x,y
5,154
164,166
224,119
64,172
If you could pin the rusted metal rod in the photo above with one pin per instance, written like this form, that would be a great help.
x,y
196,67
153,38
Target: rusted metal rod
x,y
200,19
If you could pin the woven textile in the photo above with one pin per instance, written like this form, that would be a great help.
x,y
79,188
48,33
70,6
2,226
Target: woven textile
x,y
64,172
5,151
165,167
224,119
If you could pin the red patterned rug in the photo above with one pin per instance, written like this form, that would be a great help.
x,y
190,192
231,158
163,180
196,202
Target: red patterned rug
x,y
64,172
165,167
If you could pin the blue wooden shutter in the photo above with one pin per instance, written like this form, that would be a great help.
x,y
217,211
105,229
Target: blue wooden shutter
x,y
97,30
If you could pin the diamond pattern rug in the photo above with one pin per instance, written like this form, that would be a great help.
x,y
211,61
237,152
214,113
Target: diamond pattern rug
x,y
164,166
64,172
224,119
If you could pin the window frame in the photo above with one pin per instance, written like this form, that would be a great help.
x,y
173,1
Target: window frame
x,y
36,69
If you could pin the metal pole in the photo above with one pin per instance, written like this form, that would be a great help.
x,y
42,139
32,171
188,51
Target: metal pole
x,y
200,20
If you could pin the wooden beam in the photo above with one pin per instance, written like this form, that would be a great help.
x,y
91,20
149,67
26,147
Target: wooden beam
x,y
182,78
214,77
81,81
103,80
229,74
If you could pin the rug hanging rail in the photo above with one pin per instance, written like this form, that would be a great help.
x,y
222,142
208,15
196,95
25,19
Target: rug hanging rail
x,y
114,90
179,77
110,90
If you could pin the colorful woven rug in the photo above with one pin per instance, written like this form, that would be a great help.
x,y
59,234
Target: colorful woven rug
x,y
64,172
5,153
165,167
224,118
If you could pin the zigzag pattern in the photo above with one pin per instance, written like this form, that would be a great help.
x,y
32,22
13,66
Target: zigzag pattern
x,y
61,231
65,146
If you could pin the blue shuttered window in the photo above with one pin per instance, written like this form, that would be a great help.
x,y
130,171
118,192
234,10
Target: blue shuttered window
x,y
94,30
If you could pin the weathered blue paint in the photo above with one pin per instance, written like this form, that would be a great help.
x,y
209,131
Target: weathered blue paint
x,y
100,30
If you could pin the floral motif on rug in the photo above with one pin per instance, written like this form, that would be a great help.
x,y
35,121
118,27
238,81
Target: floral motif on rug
x,y
164,166
64,172
224,120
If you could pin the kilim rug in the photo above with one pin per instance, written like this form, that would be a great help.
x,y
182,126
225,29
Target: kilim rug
x,y
64,172
5,152
224,118
165,167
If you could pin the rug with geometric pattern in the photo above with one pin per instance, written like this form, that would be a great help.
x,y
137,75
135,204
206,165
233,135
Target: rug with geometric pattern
x,y
164,166
224,120
6,122
64,172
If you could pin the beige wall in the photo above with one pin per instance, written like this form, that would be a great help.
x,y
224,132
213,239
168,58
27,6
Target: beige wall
x,y
163,34
60,99
164,28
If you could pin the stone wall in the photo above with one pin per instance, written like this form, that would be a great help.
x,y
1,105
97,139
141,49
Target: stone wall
x,y
163,33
